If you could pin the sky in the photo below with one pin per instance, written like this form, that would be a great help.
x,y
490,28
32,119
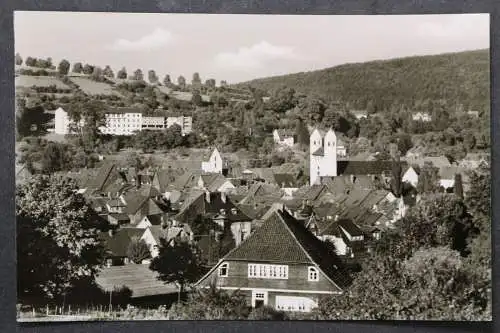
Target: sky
x,y
238,48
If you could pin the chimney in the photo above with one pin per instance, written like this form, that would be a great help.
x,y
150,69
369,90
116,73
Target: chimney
x,y
207,197
353,179
223,197
336,217
138,181
111,232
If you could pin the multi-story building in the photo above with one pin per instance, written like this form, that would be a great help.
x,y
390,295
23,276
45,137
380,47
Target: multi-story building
x,y
323,155
125,121
122,121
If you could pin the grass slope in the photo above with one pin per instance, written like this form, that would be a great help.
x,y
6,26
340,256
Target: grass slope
x,y
459,77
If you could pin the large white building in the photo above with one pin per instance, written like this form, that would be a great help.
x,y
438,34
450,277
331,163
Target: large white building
x,y
125,121
323,155
122,122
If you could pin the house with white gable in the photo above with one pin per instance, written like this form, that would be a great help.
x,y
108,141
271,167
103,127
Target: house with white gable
x,y
284,137
215,164
323,155
62,122
411,176
422,116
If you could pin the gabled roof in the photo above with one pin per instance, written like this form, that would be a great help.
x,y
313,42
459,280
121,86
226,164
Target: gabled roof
x,y
165,177
296,245
186,180
106,174
213,181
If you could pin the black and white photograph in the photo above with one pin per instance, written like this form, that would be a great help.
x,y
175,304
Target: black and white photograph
x,y
252,167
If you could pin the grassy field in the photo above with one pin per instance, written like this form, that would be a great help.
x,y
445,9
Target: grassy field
x,y
94,88
28,81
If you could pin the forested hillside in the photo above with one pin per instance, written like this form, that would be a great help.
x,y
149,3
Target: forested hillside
x,y
457,78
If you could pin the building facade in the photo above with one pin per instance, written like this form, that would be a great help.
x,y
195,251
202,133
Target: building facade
x,y
63,123
122,122
323,155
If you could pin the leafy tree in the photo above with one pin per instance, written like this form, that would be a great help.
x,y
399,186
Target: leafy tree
x,y
302,133
54,158
18,59
138,76
138,250
77,67
210,83
93,118
223,83
428,180
97,74
181,82
397,178
30,61
459,188
108,72
63,67
282,100
57,237
178,263
167,81
122,74
404,143
152,77
196,98
88,69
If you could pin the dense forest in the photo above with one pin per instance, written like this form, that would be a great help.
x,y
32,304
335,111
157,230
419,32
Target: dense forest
x,y
458,78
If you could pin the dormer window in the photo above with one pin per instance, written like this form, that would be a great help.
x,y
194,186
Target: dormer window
x,y
223,270
313,274
234,211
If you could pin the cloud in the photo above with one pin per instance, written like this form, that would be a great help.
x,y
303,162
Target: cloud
x,y
456,26
155,40
255,56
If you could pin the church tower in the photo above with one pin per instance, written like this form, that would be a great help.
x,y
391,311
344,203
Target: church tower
x,y
315,156
330,156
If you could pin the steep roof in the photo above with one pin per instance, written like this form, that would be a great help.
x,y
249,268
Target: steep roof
x,y
296,245
365,167
165,177
106,174
319,152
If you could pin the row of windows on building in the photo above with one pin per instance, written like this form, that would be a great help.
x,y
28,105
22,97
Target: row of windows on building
x,y
267,271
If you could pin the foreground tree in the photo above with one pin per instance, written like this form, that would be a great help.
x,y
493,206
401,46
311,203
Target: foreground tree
x,y
138,250
178,263
57,238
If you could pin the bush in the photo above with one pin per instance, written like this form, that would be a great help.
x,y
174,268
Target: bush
x,y
266,313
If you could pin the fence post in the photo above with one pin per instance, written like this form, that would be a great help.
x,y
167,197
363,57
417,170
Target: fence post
x,y
47,309
34,312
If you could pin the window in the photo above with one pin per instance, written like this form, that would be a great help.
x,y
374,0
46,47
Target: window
x,y
223,270
313,274
267,271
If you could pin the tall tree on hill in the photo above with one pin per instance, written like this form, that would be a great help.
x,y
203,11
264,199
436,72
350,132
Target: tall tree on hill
x,y
302,133
97,74
196,81
108,72
179,263
397,177
210,83
77,67
57,238
459,187
167,81
88,69
19,59
181,82
91,112
223,83
122,73
152,77
63,67
138,76
30,61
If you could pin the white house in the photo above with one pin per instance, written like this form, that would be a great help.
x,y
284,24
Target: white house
x,y
283,138
63,122
323,155
411,176
341,149
215,163
422,116
359,114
